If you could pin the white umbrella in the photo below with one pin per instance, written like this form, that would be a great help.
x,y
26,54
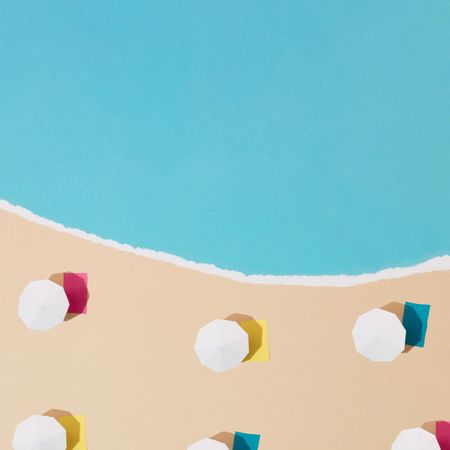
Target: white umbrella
x,y
43,305
208,444
379,335
221,345
39,433
415,439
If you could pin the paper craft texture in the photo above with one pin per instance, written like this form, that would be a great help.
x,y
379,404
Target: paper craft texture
x,y
258,341
246,441
415,321
443,434
306,386
75,286
75,427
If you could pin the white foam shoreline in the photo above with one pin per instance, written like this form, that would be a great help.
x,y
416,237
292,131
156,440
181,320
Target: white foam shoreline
x,y
440,263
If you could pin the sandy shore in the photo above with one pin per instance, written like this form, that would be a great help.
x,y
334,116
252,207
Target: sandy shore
x,y
129,365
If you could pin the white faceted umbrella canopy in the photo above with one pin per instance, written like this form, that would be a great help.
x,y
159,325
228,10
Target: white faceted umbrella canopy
x,y
379,335
221,345
415,439
208,444
43,305
39,433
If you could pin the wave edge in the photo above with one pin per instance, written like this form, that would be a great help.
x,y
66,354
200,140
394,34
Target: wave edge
x,y
436,264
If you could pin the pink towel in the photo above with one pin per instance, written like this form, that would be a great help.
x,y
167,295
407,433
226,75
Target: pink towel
x,y
75,287
443,434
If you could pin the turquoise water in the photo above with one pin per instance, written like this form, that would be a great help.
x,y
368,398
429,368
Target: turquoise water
x,y
294,137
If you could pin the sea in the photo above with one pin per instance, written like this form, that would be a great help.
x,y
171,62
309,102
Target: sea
x,y
264,137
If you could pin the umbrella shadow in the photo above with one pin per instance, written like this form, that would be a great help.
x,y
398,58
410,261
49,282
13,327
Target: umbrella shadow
x,y
430,426
238,317
255,338
398,309
79,287
225,437
71,425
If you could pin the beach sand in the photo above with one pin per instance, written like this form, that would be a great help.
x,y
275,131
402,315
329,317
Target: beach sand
x,y
130,368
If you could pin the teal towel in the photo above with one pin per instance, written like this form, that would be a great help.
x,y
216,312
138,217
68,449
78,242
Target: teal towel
x,y
245,441
415,321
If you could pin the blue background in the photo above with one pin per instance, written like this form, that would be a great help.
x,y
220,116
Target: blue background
x,y
293,137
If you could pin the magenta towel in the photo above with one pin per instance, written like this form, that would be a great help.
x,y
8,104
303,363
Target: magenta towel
x,y
443,434
75,287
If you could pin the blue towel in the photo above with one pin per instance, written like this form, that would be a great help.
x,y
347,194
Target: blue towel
x,y
415,321
245,441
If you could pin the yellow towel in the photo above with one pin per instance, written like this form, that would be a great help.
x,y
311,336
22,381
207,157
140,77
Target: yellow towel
x,y
75,427
258,340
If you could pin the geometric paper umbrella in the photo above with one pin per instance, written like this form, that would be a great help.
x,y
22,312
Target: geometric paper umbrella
x,y
43,305
39,433
208,444
221,345
379,335
415,439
